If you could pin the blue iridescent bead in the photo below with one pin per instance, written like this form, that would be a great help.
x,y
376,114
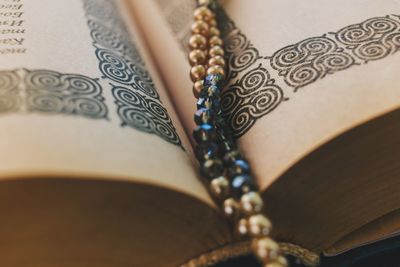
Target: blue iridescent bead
x,y
203,116
242,184
238,167
231,156
205,152
210,91
204,133
213,79
213,103
212,168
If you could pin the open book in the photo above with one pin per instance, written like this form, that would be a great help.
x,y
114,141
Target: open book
x,y
96,114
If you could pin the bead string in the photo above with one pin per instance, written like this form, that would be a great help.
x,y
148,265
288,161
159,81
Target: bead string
x,y
221,163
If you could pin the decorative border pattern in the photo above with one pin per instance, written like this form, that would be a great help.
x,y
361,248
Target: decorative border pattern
x,y
10,99
372,39
255,88
51,92
252,92
138,103
54,92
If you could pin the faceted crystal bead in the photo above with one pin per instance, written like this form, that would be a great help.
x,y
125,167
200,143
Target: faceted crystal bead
x,y
238,167
210,91
204,133
231,156
204,116
212,168
208,151
242,184
213,79
209,103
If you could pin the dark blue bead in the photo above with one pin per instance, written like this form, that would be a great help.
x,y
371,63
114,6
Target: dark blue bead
x,y
210,91
207,151
204,133
213,79
238,167
231,156
212,168
242,184
203,116
213,103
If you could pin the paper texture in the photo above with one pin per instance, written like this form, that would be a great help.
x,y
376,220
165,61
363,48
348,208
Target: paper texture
x,y
73,113
300,72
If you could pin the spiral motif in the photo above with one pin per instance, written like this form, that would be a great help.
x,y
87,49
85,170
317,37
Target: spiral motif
x,y
145,114
79,84
236,42
241,120
138,103
104,36
302,75
317,46
334,62
381,25
157,110
53,92
45,79
393,41
254,79
286,57
242,60
354,35
372,51
126,96
229,100
9,80
86,107
372,39
44,102
166,132
266,100
136,119
114,67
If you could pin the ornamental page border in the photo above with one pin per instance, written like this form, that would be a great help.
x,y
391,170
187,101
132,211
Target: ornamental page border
x,y
267,80
138,103
51,92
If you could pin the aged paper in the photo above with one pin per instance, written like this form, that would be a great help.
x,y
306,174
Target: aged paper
x,y
81,98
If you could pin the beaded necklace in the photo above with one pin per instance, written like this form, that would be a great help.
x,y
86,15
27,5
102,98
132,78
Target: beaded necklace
x,y
221,163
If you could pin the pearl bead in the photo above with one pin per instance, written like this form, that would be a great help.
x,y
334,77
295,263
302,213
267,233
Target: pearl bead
x,y
231,208
197,72
197,57
215,40
220,187
204,2
197,88
251,203
198,41
279,262
243,227
200,27
203,13
216,51
213,31
216,70
218,60
213,22
259,225
265,249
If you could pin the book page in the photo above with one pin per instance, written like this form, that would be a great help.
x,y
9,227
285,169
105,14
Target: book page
x,y
300,72
79,97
